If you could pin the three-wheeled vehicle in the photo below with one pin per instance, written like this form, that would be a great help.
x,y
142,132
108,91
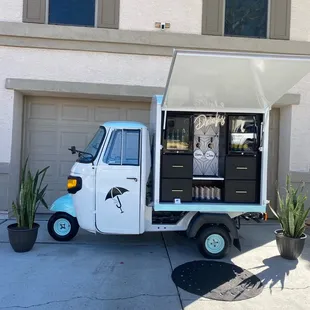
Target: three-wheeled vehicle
x,y
200,164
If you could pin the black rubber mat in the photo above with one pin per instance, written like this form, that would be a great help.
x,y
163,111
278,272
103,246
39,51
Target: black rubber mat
x,y
217,280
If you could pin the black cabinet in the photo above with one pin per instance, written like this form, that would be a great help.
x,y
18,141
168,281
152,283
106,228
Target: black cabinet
x,y
176,177
238,160
241,179
240,191
242,162
177,166
176,189
240,168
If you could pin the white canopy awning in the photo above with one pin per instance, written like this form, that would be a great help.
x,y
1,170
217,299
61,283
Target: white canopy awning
x,y
230,82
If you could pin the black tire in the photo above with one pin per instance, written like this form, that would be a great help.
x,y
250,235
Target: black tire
x,y
222,241
72,230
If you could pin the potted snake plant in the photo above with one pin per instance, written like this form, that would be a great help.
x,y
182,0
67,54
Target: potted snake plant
x,y
23,233
292,216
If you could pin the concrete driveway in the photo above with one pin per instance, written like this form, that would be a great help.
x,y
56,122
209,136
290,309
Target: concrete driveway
x,y
134,272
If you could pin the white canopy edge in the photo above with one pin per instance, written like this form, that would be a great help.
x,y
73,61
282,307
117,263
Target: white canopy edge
x,y
209,81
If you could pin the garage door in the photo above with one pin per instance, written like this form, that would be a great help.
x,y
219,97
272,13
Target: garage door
x,y
52,125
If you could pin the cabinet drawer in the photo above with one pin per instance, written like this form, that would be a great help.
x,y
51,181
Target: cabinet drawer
x,y
177,166
240,191
176,188
241,168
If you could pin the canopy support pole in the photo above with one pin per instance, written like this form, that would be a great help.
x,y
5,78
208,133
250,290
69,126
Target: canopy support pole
x,y
165,120
264,158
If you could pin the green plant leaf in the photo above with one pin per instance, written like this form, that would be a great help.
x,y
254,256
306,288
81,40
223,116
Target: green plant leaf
x,y
291,212
300,226
29,196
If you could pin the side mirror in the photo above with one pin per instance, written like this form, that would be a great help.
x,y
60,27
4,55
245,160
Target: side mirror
x,y
72,149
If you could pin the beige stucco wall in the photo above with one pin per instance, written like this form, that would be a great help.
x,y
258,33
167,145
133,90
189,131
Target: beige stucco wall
x,y
300,21
184,15
11,10
300,129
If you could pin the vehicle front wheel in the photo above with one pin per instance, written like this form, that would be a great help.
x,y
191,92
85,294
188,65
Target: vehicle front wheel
x,y
62,226
214,242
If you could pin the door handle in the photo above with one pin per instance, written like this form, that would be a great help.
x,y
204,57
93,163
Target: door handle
x,y
134,179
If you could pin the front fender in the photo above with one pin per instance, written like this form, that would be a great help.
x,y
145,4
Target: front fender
x,y
64,204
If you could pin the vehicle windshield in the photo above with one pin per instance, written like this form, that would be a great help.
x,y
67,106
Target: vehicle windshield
x,y
93,147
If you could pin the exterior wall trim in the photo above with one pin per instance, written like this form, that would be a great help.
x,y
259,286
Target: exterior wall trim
x,y
89,90
288,99
135,42
104,91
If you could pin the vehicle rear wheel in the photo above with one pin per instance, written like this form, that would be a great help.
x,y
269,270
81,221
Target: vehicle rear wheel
x,y
62,226
214,242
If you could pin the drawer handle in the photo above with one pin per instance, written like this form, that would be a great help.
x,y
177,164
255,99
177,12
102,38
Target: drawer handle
x,y
177,166
242,168
177,190
241,192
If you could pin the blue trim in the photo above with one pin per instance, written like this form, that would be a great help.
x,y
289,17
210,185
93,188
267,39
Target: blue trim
x,y
159,99
210,207
215,243
62,227
124,124
64,204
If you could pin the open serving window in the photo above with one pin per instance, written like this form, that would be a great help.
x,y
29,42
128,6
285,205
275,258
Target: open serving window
x,y
215,126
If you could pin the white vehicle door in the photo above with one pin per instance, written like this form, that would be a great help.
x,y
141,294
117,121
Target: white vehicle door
x,y
118,183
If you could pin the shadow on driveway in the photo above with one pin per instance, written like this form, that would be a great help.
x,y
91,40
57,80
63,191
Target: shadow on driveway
x,y
276,271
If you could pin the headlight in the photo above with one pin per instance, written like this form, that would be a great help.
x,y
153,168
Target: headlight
x,y
74,184
71,183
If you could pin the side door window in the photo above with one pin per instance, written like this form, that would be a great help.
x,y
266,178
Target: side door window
x,y
123,148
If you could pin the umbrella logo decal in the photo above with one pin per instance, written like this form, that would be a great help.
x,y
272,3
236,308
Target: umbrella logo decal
x,y
114,194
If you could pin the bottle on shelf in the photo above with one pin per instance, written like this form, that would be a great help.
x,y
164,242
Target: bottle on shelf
x,y
177,139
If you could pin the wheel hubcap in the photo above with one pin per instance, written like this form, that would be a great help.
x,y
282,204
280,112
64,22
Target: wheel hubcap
x,y
215,243
62,227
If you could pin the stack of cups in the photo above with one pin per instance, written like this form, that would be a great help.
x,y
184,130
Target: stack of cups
x,y
205,193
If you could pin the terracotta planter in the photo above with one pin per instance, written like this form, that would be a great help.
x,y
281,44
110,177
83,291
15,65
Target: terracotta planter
x,y
289,248
22,239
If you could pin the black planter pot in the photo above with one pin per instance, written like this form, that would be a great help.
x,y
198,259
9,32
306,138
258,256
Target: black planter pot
x,y
22,239
289,248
